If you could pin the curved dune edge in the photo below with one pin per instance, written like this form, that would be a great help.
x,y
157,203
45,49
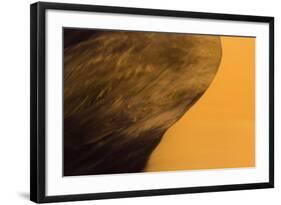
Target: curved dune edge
x,y
218,131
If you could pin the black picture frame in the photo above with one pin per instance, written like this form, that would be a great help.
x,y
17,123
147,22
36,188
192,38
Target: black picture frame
x,y
38,101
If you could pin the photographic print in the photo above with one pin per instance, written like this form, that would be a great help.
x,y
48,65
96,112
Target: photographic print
x,y
131,102
151,101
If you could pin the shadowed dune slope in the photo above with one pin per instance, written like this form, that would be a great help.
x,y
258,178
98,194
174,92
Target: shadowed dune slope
x,y
123,90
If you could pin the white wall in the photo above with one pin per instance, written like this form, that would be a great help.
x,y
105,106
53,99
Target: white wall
x,y
14,101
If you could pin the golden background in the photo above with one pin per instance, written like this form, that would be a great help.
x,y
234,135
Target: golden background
x,y
219,130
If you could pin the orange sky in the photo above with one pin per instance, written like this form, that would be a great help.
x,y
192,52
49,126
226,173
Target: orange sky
x,y
219,130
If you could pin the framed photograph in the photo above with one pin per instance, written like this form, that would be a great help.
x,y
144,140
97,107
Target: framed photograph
x,y
129,102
